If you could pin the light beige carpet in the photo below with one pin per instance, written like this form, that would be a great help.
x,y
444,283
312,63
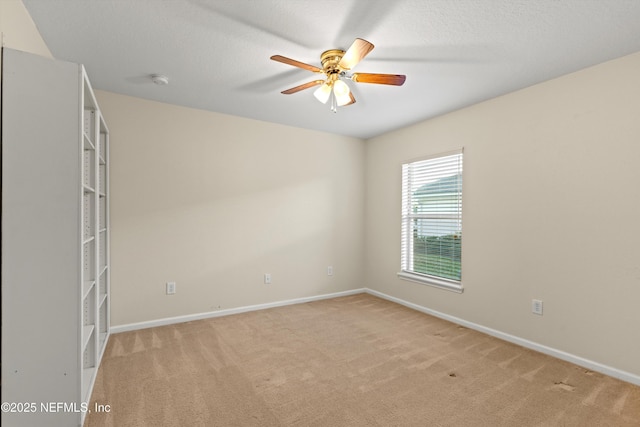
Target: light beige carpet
x,y
351,361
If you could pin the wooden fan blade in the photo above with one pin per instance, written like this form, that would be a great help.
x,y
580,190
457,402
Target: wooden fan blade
x,y
383,79
302,87
295,63
358,50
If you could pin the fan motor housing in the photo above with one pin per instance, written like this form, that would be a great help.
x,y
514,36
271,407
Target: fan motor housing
x,y
330,60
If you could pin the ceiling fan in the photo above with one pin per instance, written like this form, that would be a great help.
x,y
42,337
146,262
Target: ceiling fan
x,y
336,64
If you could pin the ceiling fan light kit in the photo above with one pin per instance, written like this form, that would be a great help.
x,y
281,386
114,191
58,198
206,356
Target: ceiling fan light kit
x,y
335,64
341,91
323,93
336,90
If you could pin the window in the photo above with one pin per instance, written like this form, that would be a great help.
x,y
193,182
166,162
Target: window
x,y
432,221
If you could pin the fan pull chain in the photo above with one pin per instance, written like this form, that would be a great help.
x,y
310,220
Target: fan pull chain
x,y
334,102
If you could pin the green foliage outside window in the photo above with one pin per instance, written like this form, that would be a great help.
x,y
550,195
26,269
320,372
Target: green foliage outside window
x,y
437,255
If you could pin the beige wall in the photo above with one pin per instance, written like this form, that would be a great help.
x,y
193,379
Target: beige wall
x,y
213,202
18,31
550,211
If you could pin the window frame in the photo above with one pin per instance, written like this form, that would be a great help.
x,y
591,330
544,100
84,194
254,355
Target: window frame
x,y
406,241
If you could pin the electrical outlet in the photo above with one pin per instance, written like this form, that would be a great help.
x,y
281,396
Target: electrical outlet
x,y
171,288
267,278
536,306
330,271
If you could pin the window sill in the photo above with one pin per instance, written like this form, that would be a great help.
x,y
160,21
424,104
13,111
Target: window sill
x,y
436,282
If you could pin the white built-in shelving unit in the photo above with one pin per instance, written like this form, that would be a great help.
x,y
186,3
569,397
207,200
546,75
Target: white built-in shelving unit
x,y
55,238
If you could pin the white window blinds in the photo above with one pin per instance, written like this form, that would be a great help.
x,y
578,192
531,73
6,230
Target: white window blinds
x,y
432,218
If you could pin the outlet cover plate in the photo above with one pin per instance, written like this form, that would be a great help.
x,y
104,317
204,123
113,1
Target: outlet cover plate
x,y
536,307
171,288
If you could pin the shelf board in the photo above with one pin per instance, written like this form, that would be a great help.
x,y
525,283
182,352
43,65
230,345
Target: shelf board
x,y
103,298
87,285
88,145
102,340
88,189
86,334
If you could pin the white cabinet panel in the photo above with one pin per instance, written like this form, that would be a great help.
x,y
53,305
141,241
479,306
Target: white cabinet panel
x,y
55,238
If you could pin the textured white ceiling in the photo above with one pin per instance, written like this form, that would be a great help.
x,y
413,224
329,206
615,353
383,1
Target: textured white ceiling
x,y
216,52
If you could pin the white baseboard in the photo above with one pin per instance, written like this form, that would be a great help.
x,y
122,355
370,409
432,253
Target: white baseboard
x,y
580,361
227,312
577,360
